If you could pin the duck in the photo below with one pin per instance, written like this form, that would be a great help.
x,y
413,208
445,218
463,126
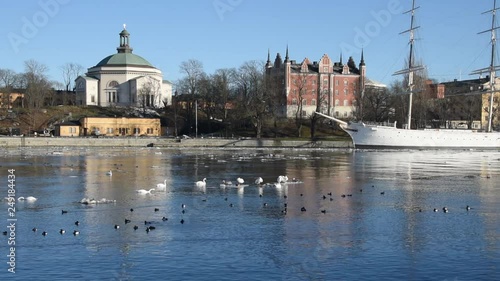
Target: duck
x,y
64,212
34,229
157,209
303,209
143,191
162,186
117,226
164,219
445,209
467,208
127,221
136,227
77,223
182,221
76,232
109,173
62,231
44,233
202,183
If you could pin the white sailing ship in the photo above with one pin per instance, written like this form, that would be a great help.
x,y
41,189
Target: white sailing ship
x,y
376,136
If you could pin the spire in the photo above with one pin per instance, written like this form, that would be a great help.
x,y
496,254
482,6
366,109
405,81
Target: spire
x,y
124,41
268,63
362,62
340,58
287,59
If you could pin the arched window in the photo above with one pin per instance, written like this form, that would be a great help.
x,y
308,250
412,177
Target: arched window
x,y
113,84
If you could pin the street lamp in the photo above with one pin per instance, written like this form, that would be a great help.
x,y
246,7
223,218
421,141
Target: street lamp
x,y
196,117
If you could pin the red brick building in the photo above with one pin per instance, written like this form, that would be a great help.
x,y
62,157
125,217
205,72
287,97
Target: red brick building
x,y
333,85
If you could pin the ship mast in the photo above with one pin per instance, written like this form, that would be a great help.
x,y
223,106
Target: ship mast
x,y
411,68
492,68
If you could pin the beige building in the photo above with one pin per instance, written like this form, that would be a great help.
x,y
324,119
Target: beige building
x,y
8,100
123,79
68,129
120,126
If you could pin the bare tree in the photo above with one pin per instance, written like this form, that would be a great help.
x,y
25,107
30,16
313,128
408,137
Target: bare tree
x,y
300,90
252,94
149,93
8,80
193,71
70,71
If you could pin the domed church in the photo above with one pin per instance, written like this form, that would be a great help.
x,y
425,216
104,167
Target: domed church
x,y
123,79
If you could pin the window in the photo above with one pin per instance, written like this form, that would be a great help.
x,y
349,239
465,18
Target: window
x,y
313,102
346,102
337,102
112,84
72,130
92,98
304,102
109,131
337,82
345,82
150,131
304,113
137,131
294,102
325,82
313,91
314,82
325,68
336,92
345,92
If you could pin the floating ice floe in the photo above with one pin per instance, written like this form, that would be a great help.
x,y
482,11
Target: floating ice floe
x,y
87,201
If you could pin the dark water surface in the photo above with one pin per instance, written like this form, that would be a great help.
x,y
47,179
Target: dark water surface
x,y
378,223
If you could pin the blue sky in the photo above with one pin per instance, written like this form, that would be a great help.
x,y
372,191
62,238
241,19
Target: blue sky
x,y
226,33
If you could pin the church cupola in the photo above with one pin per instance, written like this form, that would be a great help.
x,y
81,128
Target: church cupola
x,y
124,41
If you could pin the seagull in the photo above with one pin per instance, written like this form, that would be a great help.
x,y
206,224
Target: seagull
x,y
109,173
162,186
143,191
202,183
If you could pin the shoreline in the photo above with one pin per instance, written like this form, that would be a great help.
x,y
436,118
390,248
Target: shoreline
x,y
19,142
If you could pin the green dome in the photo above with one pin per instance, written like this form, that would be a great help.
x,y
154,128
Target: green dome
x,y
121,59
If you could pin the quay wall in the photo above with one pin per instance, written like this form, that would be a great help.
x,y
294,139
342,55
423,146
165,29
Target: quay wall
x,y
6,142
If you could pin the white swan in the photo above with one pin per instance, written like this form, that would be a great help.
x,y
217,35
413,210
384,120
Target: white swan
x,y
282,179
109,173
240,181
143,191
259,181
28,199
202,183
162,186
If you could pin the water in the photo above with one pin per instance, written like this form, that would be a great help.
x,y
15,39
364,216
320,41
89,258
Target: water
x,y
236,234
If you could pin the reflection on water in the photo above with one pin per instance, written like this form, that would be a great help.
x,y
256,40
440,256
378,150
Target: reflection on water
x,y
368,214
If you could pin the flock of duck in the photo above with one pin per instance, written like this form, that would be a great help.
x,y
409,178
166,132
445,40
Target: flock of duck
x,y
239,183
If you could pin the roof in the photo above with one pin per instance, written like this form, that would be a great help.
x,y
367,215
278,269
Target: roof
x,y
124,59
70,123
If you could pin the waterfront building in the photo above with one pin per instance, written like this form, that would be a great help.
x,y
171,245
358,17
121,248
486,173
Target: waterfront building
x,y
123,79
334,86
120,126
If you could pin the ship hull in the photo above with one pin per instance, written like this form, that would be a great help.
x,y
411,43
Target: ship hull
x,y
382,137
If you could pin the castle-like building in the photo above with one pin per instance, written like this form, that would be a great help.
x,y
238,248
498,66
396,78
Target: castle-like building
x,y
332,85
123,79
